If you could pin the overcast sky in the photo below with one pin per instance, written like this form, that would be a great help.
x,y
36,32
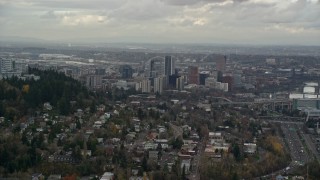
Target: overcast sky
x,y
294,22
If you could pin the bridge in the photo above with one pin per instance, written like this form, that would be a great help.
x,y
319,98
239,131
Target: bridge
x,y
265,102
312,113
272,104
285,122
223,98
283,119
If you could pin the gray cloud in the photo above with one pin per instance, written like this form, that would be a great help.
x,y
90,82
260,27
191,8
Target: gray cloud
x,y
80,4
143,11
192,2
244,21
49,15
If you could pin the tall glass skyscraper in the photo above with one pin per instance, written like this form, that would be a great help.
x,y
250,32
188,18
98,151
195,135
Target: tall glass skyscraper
x,y
168,66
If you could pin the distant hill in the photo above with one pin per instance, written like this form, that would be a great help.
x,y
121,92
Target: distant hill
x,y
53,87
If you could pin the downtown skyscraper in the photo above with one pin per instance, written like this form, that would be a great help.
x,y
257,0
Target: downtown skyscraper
x,y
168,66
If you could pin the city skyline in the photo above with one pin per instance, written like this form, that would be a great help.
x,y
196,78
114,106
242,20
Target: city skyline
x,y
164,114
290,22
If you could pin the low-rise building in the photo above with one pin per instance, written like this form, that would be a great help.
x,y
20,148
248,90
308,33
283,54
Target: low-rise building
x,y
150,145
250,148
153,155
107,176
186,165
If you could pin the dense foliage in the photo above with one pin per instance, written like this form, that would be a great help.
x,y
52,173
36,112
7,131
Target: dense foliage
x,y
19,96
19,155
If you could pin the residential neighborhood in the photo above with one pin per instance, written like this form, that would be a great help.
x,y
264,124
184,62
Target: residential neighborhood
x,y
61,124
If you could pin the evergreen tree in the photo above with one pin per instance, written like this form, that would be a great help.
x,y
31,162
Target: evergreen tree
x,y
184,173
93,107
236,152
2,109
144,164
64,106
140,114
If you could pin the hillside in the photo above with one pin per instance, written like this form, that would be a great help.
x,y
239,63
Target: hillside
x,y
23,97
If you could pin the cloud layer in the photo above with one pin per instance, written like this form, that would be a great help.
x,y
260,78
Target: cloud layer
x,y
165,21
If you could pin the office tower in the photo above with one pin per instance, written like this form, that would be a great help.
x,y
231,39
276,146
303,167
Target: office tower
x,y
21,67
193,75
173,81
168,66
180,83
220,76
94,81
126,71
146,86
228,79
152,69
221,63
213,83
210,82
155,67
203,76
237,80
6,65
158,84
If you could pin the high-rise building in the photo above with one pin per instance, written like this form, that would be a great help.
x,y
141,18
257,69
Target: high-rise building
x,y
211,82
203,76
94,81
237,80
228,78
180,83
169,68
6,65
126,71
155,68
173,81
221,63
158,84
219,76
146,86
193,75
21,67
